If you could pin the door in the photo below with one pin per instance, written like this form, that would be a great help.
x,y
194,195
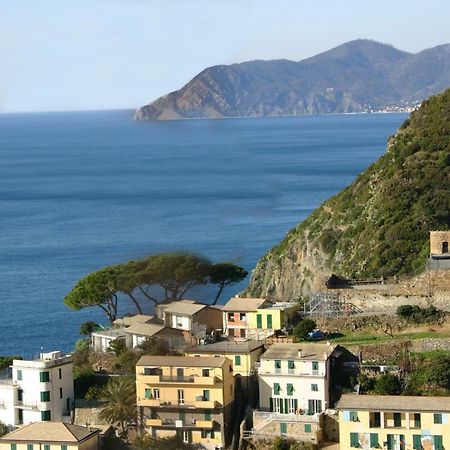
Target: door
x,y
269,321
180,374
259,321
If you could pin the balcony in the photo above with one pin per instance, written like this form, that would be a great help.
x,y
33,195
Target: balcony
x,y
163,379
207,404
204,423
153,422
268,416
153,403
177,423
286,371
33,406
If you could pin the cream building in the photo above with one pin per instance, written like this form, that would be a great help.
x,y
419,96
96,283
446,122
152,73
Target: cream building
x,y
394,422
51,436
255,318
39,390
190,397
294,389
242,354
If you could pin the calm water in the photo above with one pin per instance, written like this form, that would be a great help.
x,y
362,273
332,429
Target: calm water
x,y
83,190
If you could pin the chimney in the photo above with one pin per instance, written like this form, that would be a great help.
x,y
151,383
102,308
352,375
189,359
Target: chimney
x,y
300,353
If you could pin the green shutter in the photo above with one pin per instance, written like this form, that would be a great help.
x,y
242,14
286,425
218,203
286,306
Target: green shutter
x,y
315,365
373,440
276,388
438,445
271,404
417,420
207,414
283,428
237,360
269,321
206,395
290,389
19,377
291,364
46,446
308,428
63,447
417,441
44,377
296,405
437,418
13,446
353,416
354,440
397,420
29,446
45,416
45,396
148,393
258,321
390,442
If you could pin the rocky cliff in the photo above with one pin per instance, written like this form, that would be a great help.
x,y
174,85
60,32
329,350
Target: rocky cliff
x,y
377,226
358,76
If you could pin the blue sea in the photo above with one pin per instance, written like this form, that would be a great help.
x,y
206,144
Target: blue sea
x,y
82,190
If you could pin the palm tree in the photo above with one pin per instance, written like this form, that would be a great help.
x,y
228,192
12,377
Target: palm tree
x,y
120,397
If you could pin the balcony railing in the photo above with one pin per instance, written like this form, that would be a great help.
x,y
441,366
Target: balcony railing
x,y
27,405
269,415
205,404
193,379
285,371
177,423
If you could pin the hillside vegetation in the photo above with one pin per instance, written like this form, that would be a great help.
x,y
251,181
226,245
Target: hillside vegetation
x,y
377,226
357,76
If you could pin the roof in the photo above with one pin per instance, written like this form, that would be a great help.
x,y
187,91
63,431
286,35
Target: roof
x,y
227,347
144,329
51,432
130,320
113,333
300,351
243,304
185,307
180,361
394,403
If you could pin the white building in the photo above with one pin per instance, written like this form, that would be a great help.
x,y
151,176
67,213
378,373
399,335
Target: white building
x,y
39,390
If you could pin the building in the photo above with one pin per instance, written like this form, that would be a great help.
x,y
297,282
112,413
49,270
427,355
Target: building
x,y
187,396
39,390
101,340
177,340
439,250
394,422
242,354
294,389
255,318
51,436
192,316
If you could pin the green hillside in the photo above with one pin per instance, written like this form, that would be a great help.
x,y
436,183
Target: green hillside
x,y
379,224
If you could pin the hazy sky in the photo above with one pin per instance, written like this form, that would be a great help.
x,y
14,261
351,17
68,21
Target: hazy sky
x,y
97,54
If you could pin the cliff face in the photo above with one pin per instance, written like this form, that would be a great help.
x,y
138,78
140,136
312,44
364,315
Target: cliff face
x,y
355,77
379,225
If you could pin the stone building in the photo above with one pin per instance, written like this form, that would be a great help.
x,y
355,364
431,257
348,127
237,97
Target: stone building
x,y
439,250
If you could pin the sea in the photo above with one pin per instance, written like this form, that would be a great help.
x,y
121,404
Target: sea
x,y
81,190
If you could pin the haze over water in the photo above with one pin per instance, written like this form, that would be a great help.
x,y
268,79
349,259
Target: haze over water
x,y
82,190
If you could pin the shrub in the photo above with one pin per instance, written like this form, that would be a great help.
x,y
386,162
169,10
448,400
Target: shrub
x,y
302,329
387,384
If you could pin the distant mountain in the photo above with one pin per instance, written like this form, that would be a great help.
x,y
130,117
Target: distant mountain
x,y
359,76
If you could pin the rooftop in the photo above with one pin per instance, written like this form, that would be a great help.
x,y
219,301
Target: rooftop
x,y
180,361
185,307
395,403
112,332
300,351
50,431
144,329
226,347
243,304
130,320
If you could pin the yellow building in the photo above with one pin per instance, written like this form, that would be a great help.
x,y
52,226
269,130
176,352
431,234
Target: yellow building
x,y
51,436
394,422
242,354
255,318
187,396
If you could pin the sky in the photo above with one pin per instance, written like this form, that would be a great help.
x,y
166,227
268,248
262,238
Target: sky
x,y
109,54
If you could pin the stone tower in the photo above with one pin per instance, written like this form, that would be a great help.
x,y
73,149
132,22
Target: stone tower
x,y
439,243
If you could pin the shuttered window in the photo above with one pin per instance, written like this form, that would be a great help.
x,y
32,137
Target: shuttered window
x,y
276,389
308,428
438,445
373,440
417,442
353,416
290,389
354,440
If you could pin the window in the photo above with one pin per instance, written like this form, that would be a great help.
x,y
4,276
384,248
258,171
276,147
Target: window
x,y
417,421
242,317
156,394
152,371
29,446
373,440
308,428
276,389
315,387
207,434
290,389
437,418
314,406
20,395
148,393
237,360
291,364
44,377
180,394
397,420
292,406
438,445
207,414
269,321
19,377
60,393
277,364
230,317
13,446
206,395
283,428
45,416
417,441
376,420
63,447
45,396
354,416
60,374
186,436
315,367
354,440
205,373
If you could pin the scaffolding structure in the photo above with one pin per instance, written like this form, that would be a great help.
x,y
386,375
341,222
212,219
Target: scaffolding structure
x,y
329,304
